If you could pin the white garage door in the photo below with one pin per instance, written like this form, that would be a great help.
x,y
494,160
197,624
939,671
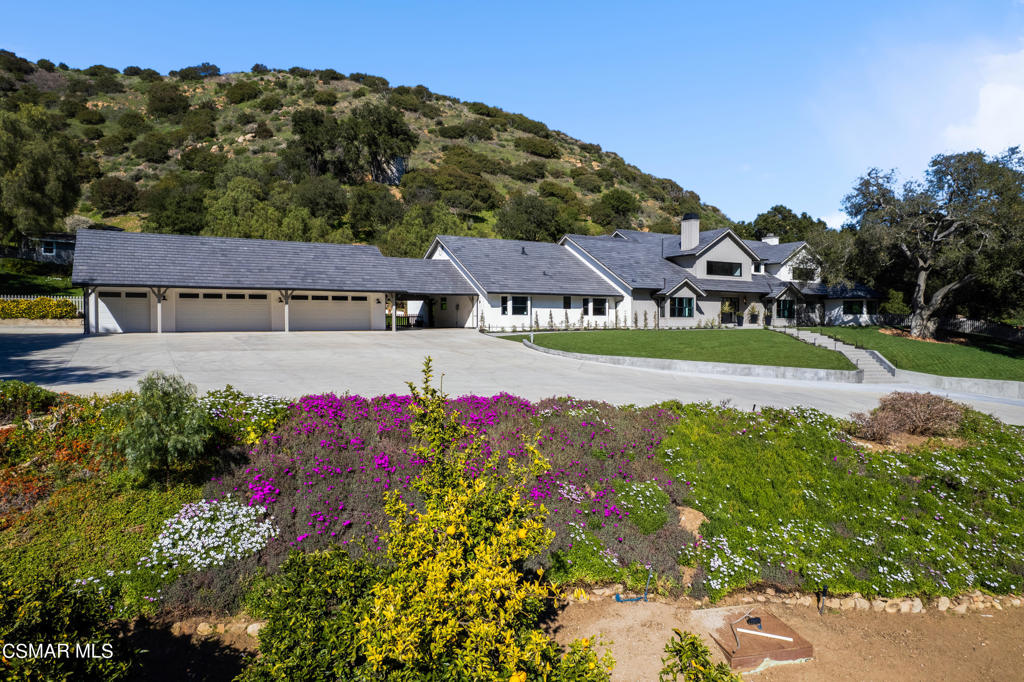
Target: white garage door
x,y
222,312
129,310
328,313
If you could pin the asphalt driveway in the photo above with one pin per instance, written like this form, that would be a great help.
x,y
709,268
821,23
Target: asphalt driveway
x,y
372,363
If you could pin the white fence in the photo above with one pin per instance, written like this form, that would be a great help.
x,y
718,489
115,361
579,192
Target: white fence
x,y
77,300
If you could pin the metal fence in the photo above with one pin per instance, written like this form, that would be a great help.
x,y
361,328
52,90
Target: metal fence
x,y
77,300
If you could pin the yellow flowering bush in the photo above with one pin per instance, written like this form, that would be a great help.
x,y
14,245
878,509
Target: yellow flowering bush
x,y
42,308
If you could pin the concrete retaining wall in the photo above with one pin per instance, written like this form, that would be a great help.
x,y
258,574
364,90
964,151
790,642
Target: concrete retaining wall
x,y
27,322
986,387
726,368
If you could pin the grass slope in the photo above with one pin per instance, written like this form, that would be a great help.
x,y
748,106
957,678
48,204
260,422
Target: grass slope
x,y
984,358
750,347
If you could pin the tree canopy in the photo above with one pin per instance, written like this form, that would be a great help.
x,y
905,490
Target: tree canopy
x,y
39,182
960,229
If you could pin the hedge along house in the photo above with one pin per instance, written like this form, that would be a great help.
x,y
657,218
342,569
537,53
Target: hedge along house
x,y
715,277
522,284
138,282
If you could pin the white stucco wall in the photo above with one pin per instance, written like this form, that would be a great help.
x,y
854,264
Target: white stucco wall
x,y
727,251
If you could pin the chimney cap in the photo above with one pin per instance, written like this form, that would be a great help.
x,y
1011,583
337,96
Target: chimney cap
x,y
691,216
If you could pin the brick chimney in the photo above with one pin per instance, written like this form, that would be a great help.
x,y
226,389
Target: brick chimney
x,y
770,239
689,232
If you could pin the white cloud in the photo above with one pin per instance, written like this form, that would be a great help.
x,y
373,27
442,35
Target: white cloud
x,y
834,220
997,121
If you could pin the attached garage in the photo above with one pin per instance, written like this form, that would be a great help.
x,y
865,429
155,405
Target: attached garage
x,y
124,311
329,312
210,311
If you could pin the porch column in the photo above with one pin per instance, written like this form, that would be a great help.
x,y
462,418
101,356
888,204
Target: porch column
x,y
394,312
159,293
86,317
286,296
96,310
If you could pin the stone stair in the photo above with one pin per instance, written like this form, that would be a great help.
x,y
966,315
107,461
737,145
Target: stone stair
x,y
875,372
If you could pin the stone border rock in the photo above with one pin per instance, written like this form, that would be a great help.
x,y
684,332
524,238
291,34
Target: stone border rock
x,y
720,368
205,629
975,601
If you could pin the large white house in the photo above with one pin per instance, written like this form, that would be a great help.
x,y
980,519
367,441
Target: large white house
x,y
137,282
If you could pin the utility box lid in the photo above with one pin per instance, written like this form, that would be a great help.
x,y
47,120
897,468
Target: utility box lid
x,y
772,640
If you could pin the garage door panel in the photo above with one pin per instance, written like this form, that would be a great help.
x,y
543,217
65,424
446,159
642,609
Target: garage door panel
x,y
129,311
328,315
209,314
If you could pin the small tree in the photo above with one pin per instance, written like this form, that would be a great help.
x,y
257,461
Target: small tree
x,y
166,430
113,195
895,305
166,99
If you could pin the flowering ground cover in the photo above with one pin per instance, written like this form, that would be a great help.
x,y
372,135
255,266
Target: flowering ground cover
x,y
792,501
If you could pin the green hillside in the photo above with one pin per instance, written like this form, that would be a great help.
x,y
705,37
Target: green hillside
x,y
293,154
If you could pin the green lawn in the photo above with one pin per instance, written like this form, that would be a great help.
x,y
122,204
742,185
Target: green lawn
x,y
19,276
751,347
985,358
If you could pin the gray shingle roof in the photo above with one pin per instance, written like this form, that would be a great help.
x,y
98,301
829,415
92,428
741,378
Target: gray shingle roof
x,y
143,259
521,267
773,253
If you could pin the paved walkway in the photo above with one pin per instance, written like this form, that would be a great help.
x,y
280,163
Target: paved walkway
x,y
372,363
874,371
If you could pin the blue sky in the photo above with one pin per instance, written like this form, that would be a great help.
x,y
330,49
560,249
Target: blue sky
x,y
749,104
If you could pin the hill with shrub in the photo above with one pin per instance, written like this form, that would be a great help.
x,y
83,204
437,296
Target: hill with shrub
x,y
311,154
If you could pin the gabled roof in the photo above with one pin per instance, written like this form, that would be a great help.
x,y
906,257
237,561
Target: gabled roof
x,y
669,243
685,282
774,253
521,267
143,259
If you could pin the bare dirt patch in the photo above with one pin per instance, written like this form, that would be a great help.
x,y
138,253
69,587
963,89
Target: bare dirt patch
x,y
848,645
902,333
906,442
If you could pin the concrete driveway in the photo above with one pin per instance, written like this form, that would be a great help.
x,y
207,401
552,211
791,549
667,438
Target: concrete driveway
x,y
371,363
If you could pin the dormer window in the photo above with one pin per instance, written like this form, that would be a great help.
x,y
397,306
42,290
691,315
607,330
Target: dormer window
x,y
723,269
757,267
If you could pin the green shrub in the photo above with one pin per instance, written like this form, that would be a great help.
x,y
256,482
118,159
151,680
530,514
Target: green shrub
x,y
269,103
46,65
41,308
687,657
166,99
259,68
588,182
91,117
242,91
92,132
19,400
538,146
199,124
166,429
113,195
54,612
134,122
196,73
528,171
325,98
115,144
152,147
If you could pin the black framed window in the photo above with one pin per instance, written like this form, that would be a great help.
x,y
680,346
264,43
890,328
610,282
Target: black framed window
x,y
444,303
300,297
234,297
872,307
785,309
187,295
136,294
723,269
804,274
213,295
567,302
680,307
258,297
504,305
339,298
358,298
586,306
853,307
600,306
757,267
520,304
49,248
319,298
110,294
